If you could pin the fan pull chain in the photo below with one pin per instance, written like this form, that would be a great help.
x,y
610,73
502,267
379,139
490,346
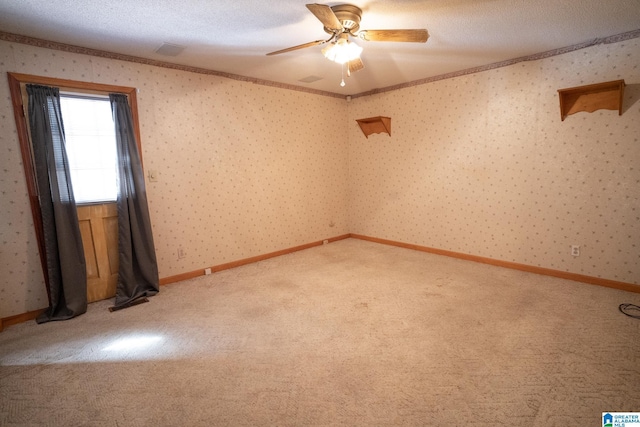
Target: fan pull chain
x,y
342,82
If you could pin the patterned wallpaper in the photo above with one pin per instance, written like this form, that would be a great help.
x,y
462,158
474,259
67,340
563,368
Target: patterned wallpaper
x,y
243,169
21,281
482,164
479,164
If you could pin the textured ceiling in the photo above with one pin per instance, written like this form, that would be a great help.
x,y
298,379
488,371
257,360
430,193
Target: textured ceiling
x,y
233,36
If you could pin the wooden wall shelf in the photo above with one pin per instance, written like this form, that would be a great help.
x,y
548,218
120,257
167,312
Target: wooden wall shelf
x,y
608,95
376,124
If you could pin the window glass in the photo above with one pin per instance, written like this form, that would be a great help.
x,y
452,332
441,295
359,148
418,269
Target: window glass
x,y
91,147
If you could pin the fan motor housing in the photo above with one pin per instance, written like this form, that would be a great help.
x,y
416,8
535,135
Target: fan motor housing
x,y
349,16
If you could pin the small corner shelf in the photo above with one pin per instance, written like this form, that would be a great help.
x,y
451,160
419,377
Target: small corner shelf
x,y
608,95
377,124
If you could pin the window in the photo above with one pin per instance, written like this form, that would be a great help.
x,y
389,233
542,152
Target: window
x,y
17,83
91,147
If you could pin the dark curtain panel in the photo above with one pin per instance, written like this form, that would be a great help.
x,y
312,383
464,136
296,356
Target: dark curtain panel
x,y
63,243
138,274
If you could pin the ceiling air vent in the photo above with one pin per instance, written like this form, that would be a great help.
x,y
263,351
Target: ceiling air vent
x,y
168,49
310,79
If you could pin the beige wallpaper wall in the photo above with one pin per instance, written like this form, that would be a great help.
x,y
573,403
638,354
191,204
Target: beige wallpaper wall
x,y
483,165
243,169
479,164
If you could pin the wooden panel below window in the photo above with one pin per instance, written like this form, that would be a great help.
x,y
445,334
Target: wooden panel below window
x,y
99,230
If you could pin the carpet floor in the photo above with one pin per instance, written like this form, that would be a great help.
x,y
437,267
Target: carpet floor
x,y
351,333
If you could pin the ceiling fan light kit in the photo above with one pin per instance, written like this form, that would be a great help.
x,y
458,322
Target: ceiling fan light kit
x,y
342,51
342,21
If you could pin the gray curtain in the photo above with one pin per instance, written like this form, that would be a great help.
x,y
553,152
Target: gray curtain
x,y
138,273
64,254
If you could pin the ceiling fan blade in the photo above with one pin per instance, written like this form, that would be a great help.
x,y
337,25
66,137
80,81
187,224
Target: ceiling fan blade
x,y
300,46
355,65
415,36
325,15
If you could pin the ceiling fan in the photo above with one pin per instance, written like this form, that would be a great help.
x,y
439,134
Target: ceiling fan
x,y
342,21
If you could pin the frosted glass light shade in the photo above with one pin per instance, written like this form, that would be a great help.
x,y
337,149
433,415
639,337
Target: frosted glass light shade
x,y
342,51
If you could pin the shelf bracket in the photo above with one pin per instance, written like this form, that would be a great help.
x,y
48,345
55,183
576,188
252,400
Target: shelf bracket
x,y
376,124
608,95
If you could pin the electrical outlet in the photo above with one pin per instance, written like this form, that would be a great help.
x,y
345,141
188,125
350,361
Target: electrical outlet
x,y
575,250
207,271
181,253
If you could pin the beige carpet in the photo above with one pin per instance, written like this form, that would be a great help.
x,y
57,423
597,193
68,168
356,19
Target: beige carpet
x,y
351,333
